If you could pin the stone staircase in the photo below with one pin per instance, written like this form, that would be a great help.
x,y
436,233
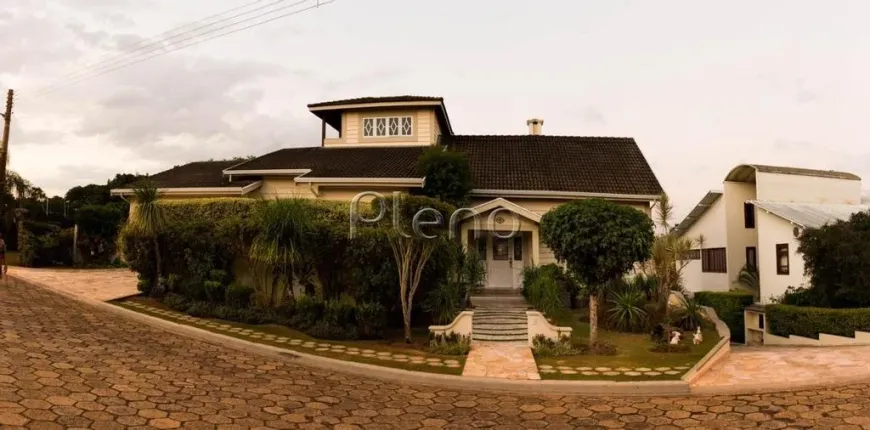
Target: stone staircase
x,y
500,324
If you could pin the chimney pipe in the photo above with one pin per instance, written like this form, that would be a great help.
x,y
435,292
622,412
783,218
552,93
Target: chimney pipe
x,y
535,125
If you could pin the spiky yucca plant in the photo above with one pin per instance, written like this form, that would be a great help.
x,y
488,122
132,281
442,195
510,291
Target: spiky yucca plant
x,y
285,224
149,219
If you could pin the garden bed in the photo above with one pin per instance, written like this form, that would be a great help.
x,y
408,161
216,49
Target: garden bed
x,y
633,361
391,352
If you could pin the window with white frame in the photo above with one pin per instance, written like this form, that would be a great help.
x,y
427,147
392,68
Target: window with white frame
x,y
391,126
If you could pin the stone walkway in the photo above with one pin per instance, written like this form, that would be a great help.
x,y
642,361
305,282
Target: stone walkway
x,y
501,360
773,366
93,284
66,364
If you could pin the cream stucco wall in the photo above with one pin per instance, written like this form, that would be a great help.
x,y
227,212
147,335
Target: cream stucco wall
x,y
425,128
808,189
712,226
738,237
773,230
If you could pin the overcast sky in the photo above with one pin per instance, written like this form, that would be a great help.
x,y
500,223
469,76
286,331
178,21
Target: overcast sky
x,y
701,85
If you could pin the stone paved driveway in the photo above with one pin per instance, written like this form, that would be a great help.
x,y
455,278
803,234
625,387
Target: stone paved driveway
x,y
92,284
65,364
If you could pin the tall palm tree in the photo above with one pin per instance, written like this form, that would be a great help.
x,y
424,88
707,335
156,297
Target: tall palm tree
x,y
149,220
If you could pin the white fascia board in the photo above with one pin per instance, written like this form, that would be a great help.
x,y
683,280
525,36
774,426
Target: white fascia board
x,y
563,195
273,172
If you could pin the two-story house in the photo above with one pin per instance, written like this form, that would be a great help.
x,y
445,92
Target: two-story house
x,y
756,219
378,144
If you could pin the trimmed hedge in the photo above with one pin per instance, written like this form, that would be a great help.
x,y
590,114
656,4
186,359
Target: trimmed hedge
x,y
785,320
42,244
729,307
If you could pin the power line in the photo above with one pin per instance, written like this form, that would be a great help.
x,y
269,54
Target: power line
x,y
160,43
103,71
127,49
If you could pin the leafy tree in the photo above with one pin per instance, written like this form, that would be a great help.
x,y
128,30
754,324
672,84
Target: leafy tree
x,y
447,173
599,241
413,247
149,219
98,228
837,260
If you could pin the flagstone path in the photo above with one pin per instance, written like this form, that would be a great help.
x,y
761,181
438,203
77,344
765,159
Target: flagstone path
x,y
504,360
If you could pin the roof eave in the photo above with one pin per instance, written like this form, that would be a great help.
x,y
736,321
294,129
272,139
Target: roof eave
x,y
195,191
564,195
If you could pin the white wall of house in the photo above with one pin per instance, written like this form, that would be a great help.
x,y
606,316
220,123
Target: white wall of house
x,y
773,230
712,226
808,189
738,236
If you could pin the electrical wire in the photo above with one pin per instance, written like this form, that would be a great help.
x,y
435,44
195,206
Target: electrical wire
x,y
100,71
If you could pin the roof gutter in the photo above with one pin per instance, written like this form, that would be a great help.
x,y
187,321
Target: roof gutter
x,y
194,191
417,182
274,172
564,195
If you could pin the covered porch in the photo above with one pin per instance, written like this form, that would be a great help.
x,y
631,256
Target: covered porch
x,y
506,237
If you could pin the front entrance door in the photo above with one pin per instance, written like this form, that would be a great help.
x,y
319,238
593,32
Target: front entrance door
x,y
505,262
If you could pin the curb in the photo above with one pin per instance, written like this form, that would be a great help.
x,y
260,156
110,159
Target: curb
x,y
585,388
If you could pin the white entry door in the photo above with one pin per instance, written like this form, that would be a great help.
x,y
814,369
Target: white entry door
x,y
505,263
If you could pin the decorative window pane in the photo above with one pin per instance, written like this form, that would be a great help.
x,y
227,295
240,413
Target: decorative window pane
x,y
368,127
381,127
394,126
406,126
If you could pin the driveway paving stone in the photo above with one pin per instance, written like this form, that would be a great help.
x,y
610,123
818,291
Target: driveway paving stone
x,y
67,364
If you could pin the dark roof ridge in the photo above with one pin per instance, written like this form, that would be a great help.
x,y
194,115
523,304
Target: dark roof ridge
x,y
384,99
538,136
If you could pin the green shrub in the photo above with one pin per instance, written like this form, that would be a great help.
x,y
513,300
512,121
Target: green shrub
x,y
449,344
43,244
689,316
201,310
785,320
371,320
214,291
729,307
548,288
176,302
238,296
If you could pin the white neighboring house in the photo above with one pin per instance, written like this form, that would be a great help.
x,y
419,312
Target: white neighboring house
x,y
756,219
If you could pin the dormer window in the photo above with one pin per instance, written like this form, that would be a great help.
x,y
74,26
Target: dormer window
x,y
391,126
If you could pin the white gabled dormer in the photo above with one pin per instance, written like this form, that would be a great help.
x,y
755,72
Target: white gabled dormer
x,y
383,121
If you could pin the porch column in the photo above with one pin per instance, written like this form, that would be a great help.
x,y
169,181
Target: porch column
x,y
463,233
536,247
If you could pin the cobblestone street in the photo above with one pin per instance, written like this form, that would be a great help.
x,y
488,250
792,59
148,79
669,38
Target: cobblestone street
x,y
65,364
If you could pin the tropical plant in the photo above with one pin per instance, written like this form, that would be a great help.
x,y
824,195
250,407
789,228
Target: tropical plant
x,y
284,227
600,241
149,220
447,173
626,310
690,315
445,301
748,278
668,255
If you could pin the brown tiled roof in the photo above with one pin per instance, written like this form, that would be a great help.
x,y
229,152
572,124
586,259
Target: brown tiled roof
x,y
199,174
390,99
604,165
608,165
334,162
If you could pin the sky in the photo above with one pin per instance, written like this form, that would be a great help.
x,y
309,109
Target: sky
x,y
702,86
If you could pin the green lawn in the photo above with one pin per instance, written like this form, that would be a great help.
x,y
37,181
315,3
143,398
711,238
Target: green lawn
x,y
394,344
633,352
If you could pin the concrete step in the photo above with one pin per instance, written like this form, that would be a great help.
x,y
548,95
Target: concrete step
x,y
499,338
500,327
499,301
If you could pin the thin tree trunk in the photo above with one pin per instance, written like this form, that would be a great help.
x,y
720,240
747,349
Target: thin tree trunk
x,y
593,319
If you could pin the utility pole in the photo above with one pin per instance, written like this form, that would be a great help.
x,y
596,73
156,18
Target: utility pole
x,y
4,152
